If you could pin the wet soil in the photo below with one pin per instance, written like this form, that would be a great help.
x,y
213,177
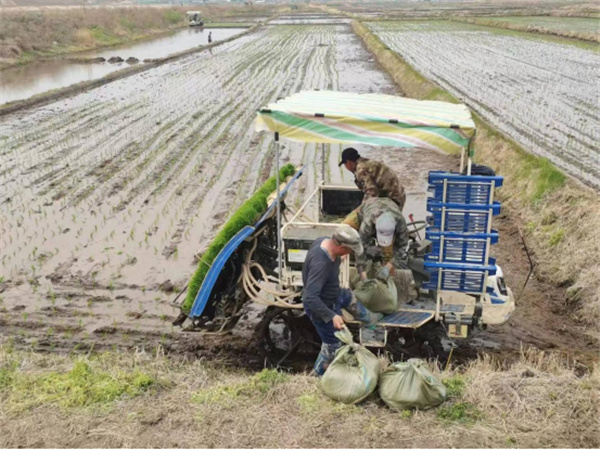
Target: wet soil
x,y
110,194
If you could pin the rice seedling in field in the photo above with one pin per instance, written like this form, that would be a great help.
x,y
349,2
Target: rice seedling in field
x,y
542,94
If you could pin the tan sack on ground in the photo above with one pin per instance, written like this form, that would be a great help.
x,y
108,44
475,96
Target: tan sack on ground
x,y
407,385
353,374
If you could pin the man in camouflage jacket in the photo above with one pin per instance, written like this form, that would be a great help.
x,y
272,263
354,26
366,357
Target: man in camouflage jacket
x,y
374,178
384,235
382,225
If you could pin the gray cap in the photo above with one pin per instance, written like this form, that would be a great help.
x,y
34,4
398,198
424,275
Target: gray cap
x,y
348,237
386,227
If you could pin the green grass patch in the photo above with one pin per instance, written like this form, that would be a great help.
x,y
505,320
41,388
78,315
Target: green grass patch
x,y
248,214
310,402
174,17
128,24
81,386
556,237
455,386
315,403
103,37
462,412
544,176
258,385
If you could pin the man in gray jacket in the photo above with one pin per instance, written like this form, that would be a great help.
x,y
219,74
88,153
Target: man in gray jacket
x,y
323,298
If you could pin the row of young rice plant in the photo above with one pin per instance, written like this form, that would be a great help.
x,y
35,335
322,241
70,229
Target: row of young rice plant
x,y
543,94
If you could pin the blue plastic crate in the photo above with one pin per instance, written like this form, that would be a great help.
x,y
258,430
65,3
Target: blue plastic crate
x,y
464,189
466,248
461,218
459,277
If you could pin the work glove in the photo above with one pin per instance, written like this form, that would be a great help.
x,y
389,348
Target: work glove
x,y
361,267
383,274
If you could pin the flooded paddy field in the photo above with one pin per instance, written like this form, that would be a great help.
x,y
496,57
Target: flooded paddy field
x,y
110,195
543,94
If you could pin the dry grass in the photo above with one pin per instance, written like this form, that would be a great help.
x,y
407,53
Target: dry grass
x,y
561,218
536,402
578,10
52,31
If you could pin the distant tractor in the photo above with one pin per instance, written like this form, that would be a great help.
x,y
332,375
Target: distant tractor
x,y
195,19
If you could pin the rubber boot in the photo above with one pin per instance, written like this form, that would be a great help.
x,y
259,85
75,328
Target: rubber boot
x,y
325,358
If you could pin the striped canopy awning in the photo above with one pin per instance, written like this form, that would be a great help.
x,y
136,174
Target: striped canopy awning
x,y
372,119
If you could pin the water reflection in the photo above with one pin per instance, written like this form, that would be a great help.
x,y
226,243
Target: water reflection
x,y
22,82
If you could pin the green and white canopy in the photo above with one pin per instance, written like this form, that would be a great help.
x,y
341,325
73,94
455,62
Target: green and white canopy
x,y
372,119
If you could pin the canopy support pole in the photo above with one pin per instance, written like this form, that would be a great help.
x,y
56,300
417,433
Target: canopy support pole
x,y
279,265
470,153
323,163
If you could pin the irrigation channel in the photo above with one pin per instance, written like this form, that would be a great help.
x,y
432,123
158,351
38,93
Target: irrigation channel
x,y
112,192
21,82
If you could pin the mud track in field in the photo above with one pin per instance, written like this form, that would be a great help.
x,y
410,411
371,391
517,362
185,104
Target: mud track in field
x,y
109,195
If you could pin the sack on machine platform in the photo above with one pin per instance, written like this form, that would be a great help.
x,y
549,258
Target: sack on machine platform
x,y
378,296
353,374
407,385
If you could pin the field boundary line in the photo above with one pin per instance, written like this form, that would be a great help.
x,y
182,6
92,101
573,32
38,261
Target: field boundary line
x,y
530,29
560,215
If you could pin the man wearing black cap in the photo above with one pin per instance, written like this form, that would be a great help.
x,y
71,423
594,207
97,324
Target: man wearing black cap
x,y
374,178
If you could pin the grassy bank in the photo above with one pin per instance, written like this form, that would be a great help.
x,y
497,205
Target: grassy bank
x,y
30,35
560,218
519,24
140,400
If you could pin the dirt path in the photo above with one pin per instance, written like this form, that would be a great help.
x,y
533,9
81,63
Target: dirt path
x,y
109,195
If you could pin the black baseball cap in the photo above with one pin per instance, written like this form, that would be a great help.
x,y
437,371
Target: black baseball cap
x,y
349,154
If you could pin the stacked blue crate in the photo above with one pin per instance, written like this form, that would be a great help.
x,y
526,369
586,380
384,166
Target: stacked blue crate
x,y
460,229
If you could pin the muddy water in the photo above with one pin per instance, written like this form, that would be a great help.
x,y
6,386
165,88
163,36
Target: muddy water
x,y
108,195
23,82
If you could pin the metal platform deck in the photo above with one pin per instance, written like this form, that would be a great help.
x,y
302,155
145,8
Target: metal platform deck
x,y
406,319
402,319
430,306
